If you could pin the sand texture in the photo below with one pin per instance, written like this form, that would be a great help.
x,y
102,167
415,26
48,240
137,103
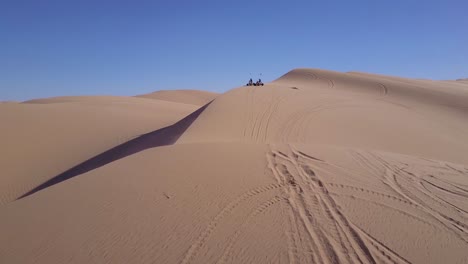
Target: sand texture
x,y
314,167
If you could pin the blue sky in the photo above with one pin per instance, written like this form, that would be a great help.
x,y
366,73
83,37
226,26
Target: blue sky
x,y
52,48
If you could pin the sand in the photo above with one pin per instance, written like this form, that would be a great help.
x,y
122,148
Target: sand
x,y
44,137
314,167
194,97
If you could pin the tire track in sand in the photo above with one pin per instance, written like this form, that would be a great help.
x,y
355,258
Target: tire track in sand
x,y
202,238
256,212
274,110
411,186
329,235
368,242
249,108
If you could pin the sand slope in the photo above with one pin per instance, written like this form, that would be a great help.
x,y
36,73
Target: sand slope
x,y
42,139
135,207
352,110
315,167
194,97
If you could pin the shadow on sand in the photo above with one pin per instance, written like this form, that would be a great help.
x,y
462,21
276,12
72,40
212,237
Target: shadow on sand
x,y
161,137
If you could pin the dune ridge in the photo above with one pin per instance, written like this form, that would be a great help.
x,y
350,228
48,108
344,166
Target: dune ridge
x,y
195,97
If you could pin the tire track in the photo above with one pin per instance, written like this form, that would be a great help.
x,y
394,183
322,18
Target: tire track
x,y
201,240
383,195
256,126
266,117
461,191
457,210
299,122
300,244
352,241
262,118
256,212
250,110
314,77
448,222
415,192
388,207
275,110
330,235
382,249
462,195
363,241
410,188
454,169
384,89
364,159
316,210
296,120
330,82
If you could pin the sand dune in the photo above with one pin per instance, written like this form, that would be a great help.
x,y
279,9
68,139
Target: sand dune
x,y
161,137
42,140
314,167
194,97
352,110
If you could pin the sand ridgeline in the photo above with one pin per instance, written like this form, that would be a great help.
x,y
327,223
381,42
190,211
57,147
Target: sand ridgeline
x,y
314,167
193,97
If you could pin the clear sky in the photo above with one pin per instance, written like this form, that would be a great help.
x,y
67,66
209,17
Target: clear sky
x,y
52,48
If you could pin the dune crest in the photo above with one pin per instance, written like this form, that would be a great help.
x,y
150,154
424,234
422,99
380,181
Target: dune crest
x,y
194,97
325,107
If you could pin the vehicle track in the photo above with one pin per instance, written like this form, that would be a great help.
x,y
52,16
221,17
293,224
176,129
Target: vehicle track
x,y
330,237
255,213
202,238
411,186
275,109
383,195
388,207
315,76
384,89
249,108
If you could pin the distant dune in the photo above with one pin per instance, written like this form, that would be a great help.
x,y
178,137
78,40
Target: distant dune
x,y
314,167
194,97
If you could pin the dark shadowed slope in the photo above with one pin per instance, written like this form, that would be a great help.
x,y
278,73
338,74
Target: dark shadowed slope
x,y
161,137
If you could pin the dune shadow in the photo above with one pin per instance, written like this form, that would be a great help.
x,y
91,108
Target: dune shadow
x,y
161,137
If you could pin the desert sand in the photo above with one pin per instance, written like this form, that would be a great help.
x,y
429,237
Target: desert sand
x,y
194,97
315,167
